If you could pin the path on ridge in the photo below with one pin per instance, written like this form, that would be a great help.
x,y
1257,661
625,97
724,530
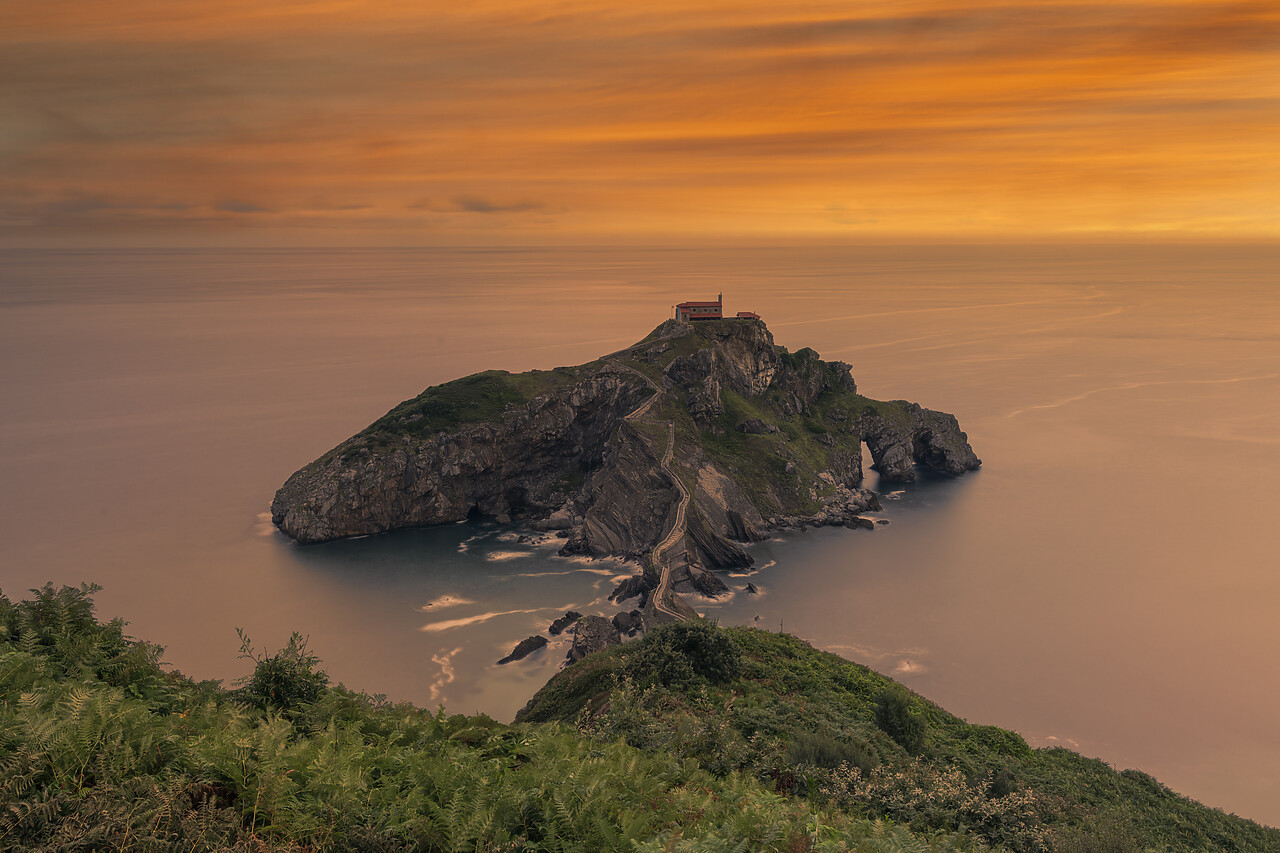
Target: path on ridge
x,y
663,590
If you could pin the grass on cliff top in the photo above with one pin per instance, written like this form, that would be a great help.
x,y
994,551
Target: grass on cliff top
x,y
477,398
102,749
806,719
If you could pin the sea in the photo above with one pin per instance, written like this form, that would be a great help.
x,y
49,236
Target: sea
x,y
1108,581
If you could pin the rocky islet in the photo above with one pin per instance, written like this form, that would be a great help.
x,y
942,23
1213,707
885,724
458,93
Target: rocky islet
x,y
756,437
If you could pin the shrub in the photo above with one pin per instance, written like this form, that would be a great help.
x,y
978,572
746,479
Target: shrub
x,y
286,680
1003,783
819,750
1098,835
686,653
897,719
931,798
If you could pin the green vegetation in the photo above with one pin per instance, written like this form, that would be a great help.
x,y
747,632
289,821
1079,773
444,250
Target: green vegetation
x,y
686,654
849,738
102,749
287,681
896,718
695,738
472,399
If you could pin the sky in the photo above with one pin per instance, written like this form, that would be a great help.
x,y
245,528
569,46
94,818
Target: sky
x,y
331,122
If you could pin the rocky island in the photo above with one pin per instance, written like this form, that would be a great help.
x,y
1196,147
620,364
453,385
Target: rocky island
x,y
673,451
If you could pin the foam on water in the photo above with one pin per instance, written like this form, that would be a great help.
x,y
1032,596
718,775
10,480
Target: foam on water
x,y
446,601
436,627
500,556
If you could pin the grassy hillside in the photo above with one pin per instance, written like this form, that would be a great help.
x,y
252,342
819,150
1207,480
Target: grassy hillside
x,y
102,749
692,739
846,737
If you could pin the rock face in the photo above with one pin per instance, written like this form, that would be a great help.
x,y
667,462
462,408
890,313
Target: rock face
x,y
715,551
523,461
759,437
629,501
930,439
592,634
524,648
741,528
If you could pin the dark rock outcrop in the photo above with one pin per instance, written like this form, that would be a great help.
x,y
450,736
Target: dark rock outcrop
x,y
628,623
591,634
629,500
739,356
751,588
756,426
706,583
524,648
919,436
632,586
713,550
563,622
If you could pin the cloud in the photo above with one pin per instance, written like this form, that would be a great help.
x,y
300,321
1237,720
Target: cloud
x,y
26,205
239,207
476,204
1053,114
319,205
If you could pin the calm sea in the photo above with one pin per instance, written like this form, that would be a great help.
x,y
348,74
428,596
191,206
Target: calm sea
x,y
1107,581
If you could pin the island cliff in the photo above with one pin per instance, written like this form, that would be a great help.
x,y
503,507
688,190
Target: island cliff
x,y
709,420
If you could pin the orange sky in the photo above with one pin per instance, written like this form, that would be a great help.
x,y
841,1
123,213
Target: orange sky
x,y
331,122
